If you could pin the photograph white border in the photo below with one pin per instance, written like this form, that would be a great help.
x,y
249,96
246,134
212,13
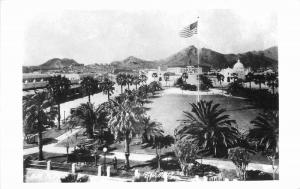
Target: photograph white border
x,y
13,18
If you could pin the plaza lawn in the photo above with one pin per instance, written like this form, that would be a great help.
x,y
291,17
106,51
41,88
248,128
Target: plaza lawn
x,y
168,109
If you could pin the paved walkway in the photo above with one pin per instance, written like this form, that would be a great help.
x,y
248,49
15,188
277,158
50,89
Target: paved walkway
x,y
51,147
213,91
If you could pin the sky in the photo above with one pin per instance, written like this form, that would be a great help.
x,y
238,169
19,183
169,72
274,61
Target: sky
x,y
103,36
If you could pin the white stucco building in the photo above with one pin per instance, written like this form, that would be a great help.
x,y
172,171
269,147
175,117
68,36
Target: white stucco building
x,y
237,69
71,76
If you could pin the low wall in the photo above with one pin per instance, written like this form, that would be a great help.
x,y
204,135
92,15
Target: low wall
x,y
51,176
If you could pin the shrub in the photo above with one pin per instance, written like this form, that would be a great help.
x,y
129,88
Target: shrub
x,y
202,169
85,178
189,87
186,152
140,179
235,88
74,178
206,83
241,158
179,82
258,175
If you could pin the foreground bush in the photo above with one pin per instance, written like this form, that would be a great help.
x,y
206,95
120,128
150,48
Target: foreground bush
x,y
74,178
202,169
241,158
206,83
258,175
189,87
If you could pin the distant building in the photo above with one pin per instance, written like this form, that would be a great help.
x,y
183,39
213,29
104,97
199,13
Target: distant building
x,y
227,73
238,69
35,77
176,70
71,76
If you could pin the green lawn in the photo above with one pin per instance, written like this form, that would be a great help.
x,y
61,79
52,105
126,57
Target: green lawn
x,y
168,109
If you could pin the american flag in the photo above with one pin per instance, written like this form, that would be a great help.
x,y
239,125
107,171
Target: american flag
x,y
189,30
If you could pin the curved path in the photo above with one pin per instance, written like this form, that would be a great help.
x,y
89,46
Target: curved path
x,y
51,147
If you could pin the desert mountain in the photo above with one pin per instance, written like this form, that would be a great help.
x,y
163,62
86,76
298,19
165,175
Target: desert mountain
x,y
133,63
57,63
272,53
254,59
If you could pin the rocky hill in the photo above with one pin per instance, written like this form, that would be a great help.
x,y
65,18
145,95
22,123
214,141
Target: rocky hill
x,y
57,63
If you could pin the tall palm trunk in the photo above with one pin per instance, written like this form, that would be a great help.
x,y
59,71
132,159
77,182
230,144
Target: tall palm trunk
x,y
121,89
101,135
250,84
89,98
108,96
58,118
127,152
158,158
273,167
215,150
40,144
89,131
273,87
135,86
128,86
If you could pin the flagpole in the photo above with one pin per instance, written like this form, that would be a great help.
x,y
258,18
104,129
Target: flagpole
x,y
198,57
198,75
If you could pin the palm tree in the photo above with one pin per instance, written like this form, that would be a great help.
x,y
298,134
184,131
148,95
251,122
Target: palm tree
x,y
209,128
154,75
121,80
150,129
58,87
143,91
259,79
249,78
272,81
87,116
136,81
123,123
266,135
154,86
185,76
107,86
153,135
129,80
206,83
143,78
166,77
36,117
90,86
220,78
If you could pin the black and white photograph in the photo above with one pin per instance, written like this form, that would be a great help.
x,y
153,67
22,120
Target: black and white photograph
x,y
132,95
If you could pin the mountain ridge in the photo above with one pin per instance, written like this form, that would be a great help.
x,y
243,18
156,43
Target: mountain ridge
x,y
185,57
